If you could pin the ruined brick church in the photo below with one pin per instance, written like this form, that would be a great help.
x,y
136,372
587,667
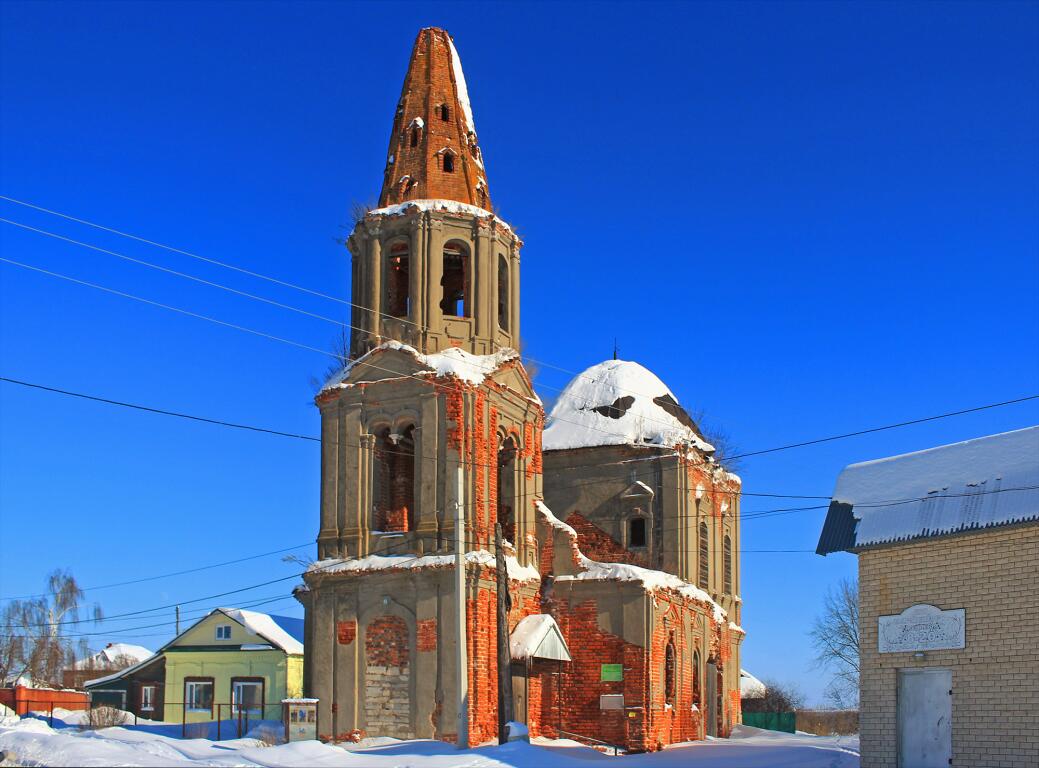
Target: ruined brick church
x,y
622,531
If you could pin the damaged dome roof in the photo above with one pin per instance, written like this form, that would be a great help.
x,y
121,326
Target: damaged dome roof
x,y
619,402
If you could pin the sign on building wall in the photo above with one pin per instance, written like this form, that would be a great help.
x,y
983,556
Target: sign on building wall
x,y
611,672
922,628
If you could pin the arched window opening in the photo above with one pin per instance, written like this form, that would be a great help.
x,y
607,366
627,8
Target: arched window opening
x,y
637,532
448,162
445,112
704,552
507,487
727,565
503,293
414,136
669,672
455,280
394,486
398,281
696,678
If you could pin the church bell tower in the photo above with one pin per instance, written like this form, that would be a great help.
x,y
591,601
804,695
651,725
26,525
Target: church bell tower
x,y
433,267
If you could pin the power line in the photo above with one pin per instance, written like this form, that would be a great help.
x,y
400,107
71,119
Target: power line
x,y
206,259
219,422
160,411
259,275
166,306
281,305
198,316
184,275
169,575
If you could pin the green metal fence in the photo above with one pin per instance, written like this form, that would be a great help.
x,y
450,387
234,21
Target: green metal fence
x,y
772,721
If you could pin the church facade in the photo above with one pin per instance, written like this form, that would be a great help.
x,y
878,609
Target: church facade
x,y
621,532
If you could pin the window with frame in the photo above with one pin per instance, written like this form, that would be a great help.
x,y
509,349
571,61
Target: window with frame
x,y
394,479
247,695
637,532
445,112
398,281
448,163
148,698
198,694
455,280
223,632
705,571
503,292
727,564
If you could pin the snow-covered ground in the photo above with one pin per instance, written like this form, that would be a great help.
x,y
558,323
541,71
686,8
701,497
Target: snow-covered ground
x,y
31,742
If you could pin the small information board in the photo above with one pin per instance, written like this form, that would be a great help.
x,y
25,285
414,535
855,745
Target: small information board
x,y
611,672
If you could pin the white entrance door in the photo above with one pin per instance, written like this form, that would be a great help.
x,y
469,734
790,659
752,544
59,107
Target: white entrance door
x,y
924,718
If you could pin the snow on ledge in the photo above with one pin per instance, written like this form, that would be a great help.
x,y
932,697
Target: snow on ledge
x,y
370,563
442,206
456,362
650,580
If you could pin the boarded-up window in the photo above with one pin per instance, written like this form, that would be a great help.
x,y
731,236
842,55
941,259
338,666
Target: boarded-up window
x,y
669,673
503,293
705,571
395,480
727,565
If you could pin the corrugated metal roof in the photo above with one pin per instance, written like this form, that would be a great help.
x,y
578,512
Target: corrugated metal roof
x,y
973,485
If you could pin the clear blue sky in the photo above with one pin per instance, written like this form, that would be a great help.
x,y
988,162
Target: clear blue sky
x,y
806,218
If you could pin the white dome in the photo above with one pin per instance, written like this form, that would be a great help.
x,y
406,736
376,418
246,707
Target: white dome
x,y
618,402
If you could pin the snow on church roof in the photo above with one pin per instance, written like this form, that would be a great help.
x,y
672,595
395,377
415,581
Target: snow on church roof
x,y
451,362
975,484
619,402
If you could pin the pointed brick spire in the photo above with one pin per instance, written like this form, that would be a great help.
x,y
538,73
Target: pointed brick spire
x,y
433,153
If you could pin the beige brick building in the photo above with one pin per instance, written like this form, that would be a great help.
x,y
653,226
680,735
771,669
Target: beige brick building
x,y
948,546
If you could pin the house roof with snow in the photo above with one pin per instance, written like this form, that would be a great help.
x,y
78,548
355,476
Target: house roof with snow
x,y
619,402
977,484
115,653
750,686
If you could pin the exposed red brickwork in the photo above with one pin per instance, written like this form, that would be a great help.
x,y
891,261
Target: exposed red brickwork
x,y
346,631
426,635
599,545
431,157
481,459
386,642
581,685
454,406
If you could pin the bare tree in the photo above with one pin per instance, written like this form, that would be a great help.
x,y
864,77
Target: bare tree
x,y
779,697
725,448
340,358
835,635
35,640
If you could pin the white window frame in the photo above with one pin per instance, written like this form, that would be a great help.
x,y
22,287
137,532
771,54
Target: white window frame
x,y
190,697
236,688
223,632
148,697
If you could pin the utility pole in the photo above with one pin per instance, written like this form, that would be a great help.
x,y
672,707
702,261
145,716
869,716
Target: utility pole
x,y
178,619
461,636
504,655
